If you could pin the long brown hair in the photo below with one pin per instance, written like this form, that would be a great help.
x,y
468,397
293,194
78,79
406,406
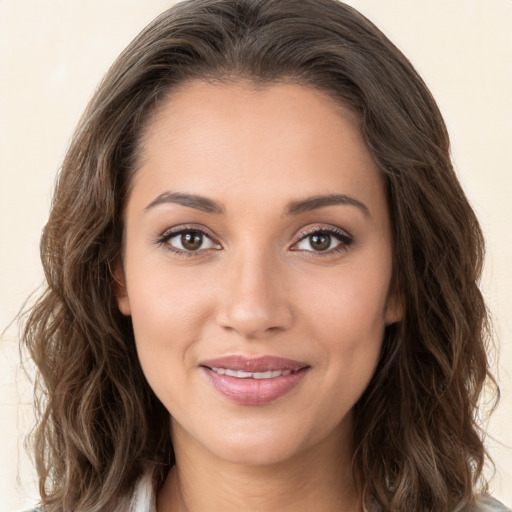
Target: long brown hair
x,y
100,426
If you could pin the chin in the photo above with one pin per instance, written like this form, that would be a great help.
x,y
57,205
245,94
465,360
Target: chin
x,y
264,443
255,452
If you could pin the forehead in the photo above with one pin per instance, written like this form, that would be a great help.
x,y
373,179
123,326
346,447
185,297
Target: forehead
x,y
274,141
243,104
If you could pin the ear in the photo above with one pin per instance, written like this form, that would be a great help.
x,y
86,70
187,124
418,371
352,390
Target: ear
x,y
120,291
394,305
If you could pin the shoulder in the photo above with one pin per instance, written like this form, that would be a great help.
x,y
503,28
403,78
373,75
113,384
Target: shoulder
x,y
487,504
143,498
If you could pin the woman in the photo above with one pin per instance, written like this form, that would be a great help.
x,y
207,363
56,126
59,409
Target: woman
x,y
262,278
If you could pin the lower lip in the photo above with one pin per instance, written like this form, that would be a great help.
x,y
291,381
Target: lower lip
x,y
254,391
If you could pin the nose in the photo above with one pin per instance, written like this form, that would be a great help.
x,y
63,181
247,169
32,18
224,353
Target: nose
x,y
254,301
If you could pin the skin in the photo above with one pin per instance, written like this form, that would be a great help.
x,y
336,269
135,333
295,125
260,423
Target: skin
x,y
257,286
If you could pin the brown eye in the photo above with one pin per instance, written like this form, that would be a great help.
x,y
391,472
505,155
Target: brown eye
x,y
320,242
190,241
324,240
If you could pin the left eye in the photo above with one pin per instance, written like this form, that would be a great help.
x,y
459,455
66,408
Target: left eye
x,y
190,241
322,241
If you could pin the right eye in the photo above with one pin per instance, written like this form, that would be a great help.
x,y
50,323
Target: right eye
x,y
188,241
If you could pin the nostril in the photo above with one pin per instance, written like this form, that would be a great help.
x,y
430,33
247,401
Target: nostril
x,y
253,304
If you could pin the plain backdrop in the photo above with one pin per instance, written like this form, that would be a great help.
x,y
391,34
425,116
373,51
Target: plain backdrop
x,y
53,54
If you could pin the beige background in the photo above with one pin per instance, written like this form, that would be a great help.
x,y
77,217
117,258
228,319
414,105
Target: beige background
x,y
52,55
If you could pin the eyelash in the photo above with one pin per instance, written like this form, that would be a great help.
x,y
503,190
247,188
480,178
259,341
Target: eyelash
x,y
171,233
342,236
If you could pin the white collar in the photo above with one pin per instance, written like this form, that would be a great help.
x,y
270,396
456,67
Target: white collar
x,y
144,497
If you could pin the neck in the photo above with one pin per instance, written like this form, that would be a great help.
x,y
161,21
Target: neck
x,y
319,479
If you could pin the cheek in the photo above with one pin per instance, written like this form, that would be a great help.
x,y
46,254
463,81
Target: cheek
x,y
347,318
168,311
161,297
350,305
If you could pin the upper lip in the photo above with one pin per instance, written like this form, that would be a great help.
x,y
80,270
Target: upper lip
x,y
254,364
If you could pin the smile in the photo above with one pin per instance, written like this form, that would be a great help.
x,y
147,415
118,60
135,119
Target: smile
x,y
254,381
239,374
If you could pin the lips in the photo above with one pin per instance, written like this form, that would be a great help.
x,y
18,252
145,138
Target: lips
x,y
254,381
240,374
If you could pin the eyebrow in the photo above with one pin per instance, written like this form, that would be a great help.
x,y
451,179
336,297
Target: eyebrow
x,y
293,208
321,201
191,200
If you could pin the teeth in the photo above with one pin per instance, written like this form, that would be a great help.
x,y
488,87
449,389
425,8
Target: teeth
x,y
239,374
264,375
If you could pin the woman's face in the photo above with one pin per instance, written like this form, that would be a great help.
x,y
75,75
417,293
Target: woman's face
x,y
257,268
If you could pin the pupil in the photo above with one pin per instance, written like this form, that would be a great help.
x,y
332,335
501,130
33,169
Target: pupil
x,y
191,241
320,242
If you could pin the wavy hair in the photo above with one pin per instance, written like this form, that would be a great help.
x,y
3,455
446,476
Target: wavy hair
x,y
417,445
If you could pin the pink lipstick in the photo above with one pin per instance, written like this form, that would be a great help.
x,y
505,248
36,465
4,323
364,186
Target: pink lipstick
x,y
254,381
